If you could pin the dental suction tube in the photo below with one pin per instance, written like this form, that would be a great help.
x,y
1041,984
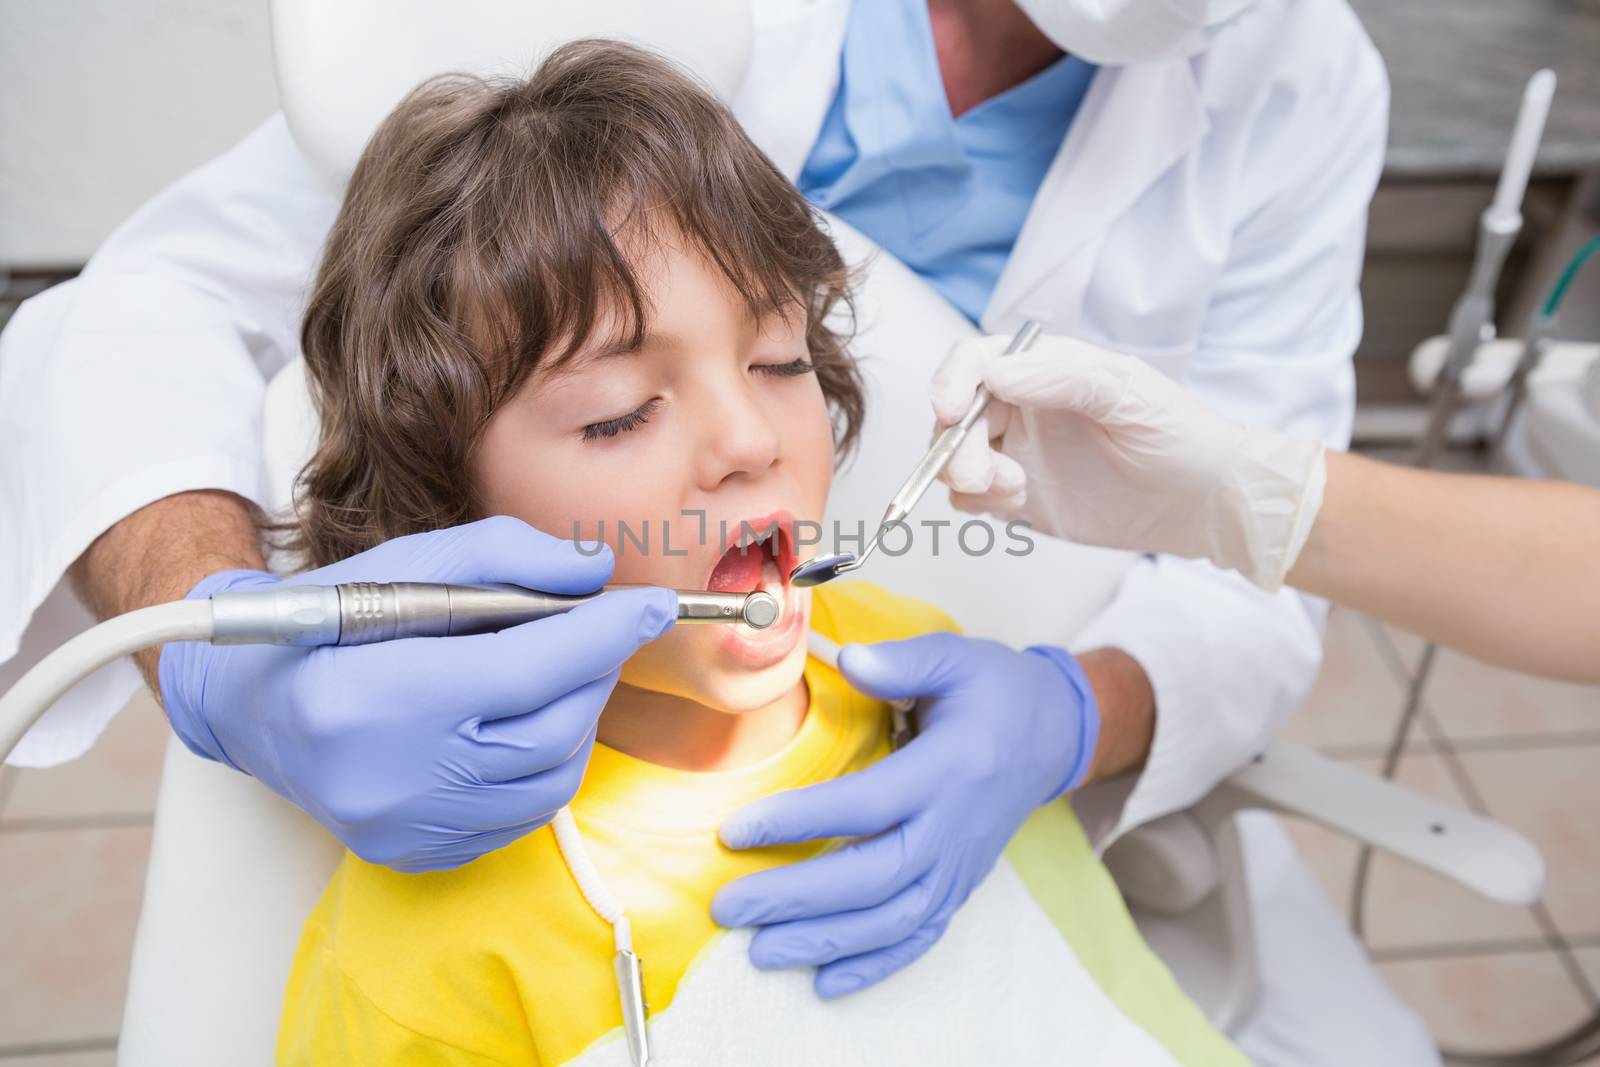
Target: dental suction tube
x,y
357,613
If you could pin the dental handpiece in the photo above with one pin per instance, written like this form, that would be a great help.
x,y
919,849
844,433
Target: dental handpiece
x,y
361,613
357,613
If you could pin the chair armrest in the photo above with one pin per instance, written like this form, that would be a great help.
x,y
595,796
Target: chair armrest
x,y
1481,854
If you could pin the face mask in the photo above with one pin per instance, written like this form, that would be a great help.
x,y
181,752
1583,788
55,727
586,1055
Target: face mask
x,y
1113,32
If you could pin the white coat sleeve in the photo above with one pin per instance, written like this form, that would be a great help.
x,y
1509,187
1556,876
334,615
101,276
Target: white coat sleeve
x,y
142,378
1228,662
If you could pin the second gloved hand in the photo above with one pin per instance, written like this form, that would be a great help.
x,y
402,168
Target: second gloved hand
x,y
425,753
1000,733
1104,449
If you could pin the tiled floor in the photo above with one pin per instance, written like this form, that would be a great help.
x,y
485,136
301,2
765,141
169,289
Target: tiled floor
x,y
1484,976
1523,751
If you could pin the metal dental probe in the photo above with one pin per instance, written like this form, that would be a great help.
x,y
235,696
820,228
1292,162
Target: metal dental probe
x,y
826,568
360,613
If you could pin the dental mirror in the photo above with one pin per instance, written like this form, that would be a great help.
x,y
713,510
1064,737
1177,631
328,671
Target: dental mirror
x,y
822,569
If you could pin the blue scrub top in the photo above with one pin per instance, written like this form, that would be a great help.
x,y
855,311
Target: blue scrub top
x,y
947,196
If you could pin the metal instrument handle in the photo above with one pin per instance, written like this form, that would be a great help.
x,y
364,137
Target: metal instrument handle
x,y
945,445
635,1012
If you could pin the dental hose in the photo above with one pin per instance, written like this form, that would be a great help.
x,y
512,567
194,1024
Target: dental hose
x,y
51,677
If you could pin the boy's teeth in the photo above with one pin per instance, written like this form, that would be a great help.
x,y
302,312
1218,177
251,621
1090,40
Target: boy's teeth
x,y
754,537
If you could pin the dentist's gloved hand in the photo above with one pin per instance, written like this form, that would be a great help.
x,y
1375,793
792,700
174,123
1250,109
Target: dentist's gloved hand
x,y
1104,449
425,753
1000,733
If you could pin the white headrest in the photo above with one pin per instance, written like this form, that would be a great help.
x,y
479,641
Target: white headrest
x,y
343,66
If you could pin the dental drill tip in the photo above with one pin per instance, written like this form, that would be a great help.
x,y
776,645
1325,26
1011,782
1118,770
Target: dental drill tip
x,y
761,610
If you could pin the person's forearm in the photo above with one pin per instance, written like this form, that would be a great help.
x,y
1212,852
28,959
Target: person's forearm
x,y
1503,569
159,552
1127,712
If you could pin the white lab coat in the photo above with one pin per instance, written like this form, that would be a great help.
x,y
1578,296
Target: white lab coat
x,y
1207,214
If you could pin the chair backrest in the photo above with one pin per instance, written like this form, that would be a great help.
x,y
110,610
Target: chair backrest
x,y
343,66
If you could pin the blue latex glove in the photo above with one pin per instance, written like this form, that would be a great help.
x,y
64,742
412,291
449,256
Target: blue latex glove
x,y
425,753
1001,732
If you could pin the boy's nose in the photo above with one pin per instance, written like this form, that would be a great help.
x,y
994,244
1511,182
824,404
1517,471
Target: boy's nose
x,y
739,437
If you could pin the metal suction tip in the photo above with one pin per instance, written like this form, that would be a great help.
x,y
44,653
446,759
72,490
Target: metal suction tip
x,y
761,610
821,569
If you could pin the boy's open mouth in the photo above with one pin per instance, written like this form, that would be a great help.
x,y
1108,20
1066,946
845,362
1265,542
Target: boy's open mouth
x,y
759,555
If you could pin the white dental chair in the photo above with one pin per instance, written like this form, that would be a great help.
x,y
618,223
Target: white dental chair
x,y
234,869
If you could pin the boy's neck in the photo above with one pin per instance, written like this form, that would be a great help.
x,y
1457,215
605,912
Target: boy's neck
x,y
673,731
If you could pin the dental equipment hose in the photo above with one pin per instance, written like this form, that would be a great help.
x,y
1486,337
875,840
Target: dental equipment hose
x,y
355,613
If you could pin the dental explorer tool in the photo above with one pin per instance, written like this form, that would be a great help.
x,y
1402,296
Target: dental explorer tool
x,y
354,613
826,568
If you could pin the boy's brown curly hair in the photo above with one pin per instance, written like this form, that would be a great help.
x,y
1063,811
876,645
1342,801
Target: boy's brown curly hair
x,y
482,236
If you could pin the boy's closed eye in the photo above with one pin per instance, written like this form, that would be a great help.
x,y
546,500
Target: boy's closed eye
x,y
596,431
791,369
609,428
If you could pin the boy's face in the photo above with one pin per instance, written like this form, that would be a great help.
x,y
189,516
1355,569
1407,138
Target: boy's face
x,y
715,414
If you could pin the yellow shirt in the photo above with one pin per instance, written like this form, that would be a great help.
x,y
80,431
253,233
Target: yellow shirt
x,y
503,959
503,962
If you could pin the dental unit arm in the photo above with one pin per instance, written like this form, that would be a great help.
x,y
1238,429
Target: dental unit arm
x,y
1472,316
354,613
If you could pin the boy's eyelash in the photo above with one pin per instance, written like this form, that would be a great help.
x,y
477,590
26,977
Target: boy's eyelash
x,y
631,421
792,369
596,431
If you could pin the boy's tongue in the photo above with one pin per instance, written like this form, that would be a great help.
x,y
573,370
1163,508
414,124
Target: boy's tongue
x,y
740,571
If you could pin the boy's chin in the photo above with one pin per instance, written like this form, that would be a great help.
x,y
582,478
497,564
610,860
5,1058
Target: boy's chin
x,y
699,663
709,678
740,690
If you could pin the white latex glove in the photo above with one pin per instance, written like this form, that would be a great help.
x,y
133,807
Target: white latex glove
x,y
1103,449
